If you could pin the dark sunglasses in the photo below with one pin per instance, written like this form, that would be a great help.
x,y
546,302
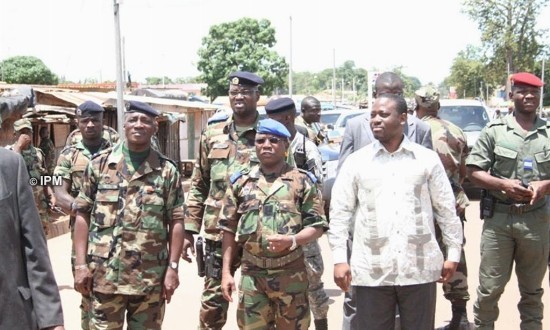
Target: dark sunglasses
x,y
272,140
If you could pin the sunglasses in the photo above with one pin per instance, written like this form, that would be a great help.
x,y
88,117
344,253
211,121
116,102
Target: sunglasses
x,y
272,140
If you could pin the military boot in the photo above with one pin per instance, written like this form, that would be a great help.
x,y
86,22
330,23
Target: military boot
x,y
459,320
321,324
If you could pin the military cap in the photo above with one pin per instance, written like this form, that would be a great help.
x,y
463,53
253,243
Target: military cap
x,y
281,104
22,123
526,78
218,117
273,127
88,107
426,96
137,106
245,78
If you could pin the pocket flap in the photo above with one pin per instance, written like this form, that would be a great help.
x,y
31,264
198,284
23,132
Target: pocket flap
x,y
505,152
152,199
542,157
219,152
107,195
250,205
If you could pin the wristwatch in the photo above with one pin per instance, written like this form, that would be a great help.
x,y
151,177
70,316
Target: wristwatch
x,y
294,244
174,265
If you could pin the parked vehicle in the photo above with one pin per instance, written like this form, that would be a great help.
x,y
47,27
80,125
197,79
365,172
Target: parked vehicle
x,y
470,115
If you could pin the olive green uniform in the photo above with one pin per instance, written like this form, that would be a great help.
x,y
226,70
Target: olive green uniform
x,y
515,233
273,288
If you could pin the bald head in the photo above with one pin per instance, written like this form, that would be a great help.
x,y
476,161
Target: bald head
x,y
388,83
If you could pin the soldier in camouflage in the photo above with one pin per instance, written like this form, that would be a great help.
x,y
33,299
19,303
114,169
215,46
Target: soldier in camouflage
x,y
129,229
449,141
305,155
109,134
36,166
71,165
310,119
272,210
47,147
225,147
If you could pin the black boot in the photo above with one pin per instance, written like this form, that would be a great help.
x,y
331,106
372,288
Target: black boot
x,y
459,320
321,324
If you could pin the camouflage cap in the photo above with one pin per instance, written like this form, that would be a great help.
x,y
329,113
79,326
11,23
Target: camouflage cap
x,y
426,96
22,123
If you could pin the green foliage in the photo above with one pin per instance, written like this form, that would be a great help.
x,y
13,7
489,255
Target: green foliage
x,y
158,80
26,70
241,45
508,35
467,72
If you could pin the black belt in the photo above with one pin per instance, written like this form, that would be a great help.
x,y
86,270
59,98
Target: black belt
x,y
517,208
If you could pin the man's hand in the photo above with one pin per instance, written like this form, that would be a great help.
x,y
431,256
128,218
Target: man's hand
x,y
539,189
228,286
516,191
23,141
449,268
279,243
342,276
53,200
171,283
188,244
83,281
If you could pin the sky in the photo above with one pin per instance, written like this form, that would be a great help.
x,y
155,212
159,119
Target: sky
x,y
75,38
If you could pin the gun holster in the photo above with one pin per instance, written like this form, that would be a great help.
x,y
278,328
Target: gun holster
x,y
212,261
486,205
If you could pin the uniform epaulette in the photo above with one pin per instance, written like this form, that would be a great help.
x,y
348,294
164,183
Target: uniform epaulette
x,y
168,159
101,152
237,175
309,174
496,122
218,118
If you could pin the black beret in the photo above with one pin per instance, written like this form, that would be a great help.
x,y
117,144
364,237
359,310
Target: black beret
x,y
245,78
137,106
88,107
280,105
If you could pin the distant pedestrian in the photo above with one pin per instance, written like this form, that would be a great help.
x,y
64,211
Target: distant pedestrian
x,y
310,119
48,148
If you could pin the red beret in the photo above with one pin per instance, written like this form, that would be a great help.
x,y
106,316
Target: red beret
x,y
526,78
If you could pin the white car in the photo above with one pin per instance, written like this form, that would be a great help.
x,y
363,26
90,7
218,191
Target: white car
x,y
337,119
470,115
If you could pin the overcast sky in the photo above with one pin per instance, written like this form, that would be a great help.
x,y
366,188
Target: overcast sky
x,y
75,38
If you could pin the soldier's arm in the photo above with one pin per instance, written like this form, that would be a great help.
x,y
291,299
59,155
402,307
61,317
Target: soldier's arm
x,y
228,223
314,156
198,192
62,193
174,213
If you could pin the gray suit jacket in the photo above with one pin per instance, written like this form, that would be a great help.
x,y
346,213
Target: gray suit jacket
x,y
29,293
359,134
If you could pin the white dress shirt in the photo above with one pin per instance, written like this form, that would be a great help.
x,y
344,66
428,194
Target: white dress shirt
x,y
394,198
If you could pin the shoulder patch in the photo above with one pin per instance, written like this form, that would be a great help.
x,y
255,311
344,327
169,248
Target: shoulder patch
x,y
235,176
309,174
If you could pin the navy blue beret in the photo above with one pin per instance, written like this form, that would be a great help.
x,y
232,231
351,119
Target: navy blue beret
x,y
245,78
271,126
88,107
280,105
137,106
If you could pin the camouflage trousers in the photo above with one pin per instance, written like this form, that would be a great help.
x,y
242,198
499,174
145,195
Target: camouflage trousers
x,y
318,299
274,302
213,312
142,312
456,288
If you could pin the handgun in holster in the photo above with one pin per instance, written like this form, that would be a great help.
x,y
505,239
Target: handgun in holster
x,y
212,262
486,205
199,253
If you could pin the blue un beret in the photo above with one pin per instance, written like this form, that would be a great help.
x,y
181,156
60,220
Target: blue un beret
x,y
280,105
245,78
137,106
88,107
271,126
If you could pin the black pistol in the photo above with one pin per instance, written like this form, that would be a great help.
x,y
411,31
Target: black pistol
x,y
199,252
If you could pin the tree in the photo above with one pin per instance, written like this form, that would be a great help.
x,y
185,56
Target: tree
x,y
26,70
467,72
508,34
241,45
158,80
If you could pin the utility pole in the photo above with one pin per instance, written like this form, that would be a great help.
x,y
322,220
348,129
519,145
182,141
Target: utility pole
x,y
542,88
334,77
119,76
290,63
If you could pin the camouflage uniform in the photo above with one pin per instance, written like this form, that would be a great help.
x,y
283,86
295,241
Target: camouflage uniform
x,y
449,141
130,218
46,145
273,295
222,152
314,131
109,134
70,166
318,299
34,159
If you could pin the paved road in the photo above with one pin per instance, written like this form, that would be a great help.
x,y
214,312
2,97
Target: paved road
x,y
182,312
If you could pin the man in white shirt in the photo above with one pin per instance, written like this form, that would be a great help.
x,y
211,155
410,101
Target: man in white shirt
x,y
396,260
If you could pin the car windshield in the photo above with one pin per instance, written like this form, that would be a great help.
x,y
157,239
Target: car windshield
x,y
468,117
329,118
